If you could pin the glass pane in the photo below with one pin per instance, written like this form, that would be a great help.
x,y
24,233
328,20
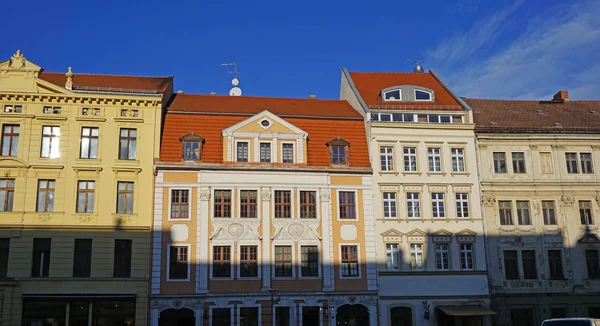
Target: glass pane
x,y
132,146
94,148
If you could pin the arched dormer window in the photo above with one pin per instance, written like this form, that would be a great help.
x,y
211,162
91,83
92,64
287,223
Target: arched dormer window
x,y
191,147
338,151
393,95
423,95
407,93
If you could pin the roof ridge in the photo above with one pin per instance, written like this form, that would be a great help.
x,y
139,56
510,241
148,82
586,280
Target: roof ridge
x,y
388,72
263,97
111,75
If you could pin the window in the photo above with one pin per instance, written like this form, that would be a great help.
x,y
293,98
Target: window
x,y
309,261
4,256
499,162
549,212
412,201
466,256
283,261
587,166
387,158
422,95
518,162
546,162
52,110
389,204
505,210
122,262
222,203
401,316
311,315
248,203
178,263
7,194
308,204
571,162
13,109
339,155
45,196
221,261
523,213
89,143
82,258
127,144
442,260
282,316
10,140
283,204
265,152
529,264
125,197
248,261
392,260
85,196
191,147
462,205
349,261
393,95
180,205
410,159
555,265
437,203
435,159
416,256
50,142
40,266
458,160
592,262
347,205
585,212
287,153
242,152
248,316
221,317
511,265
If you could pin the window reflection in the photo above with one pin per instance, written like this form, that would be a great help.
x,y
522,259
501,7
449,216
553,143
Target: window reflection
x,y
103,312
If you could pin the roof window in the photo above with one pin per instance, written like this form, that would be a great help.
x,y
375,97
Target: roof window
x,y
421,95
393,95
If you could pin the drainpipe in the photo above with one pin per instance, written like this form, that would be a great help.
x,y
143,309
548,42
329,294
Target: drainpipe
x,y
150,234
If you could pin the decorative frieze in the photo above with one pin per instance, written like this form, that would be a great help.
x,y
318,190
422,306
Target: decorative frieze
x,y
488,201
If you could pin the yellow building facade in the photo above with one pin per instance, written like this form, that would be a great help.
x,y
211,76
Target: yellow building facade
x,y
76,191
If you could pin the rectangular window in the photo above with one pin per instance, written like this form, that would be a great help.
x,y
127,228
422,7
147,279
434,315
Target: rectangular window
x,y
222,203
10,140
392,260
587,166
462,205
52,110
311,315
265,152
248,316
416,256
347,205
242,152
511,265
221,261
178,263
221,317
127,144
505,210
546,162
45,196
122,262
442,260
389,205
4,256
82,258
287,153
518,162
282,316
339,154
387,158
410,159
466,256
572,166
50,142
309,261
437,203
248,261
125,197
85,196
283,204
592,261
180,203
40,266
308,204
555,265
499,162
13,109
192,150
585,212
283,261
435,159
7,194
529,264
523,213
549,212
248,203
349,261
458,160
413,204
89,143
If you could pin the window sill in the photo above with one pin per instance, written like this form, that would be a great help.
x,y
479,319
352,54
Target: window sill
x,y
90,118
189,219
56,117
241,278
127,119
590,227
350,277
411,173
436,173
226,278
339,219
284,278
177,280
388,173
126,162
309,278
460,173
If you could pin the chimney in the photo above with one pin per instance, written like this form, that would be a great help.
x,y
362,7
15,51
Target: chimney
x,y
561,97
180,91
312,97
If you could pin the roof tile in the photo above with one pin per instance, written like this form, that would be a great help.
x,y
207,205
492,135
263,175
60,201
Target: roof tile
x,y
116,83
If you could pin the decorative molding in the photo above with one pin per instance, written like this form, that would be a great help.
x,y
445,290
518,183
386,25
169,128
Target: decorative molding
x,y
123,218
84,218
489,201
265,195
314,233
482,146
17,61
216,234
596,147
296,230
256,234
204,194
567,200
44,217
325,195
277,234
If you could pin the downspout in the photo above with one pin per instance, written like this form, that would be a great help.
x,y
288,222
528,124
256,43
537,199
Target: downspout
x,y
150,237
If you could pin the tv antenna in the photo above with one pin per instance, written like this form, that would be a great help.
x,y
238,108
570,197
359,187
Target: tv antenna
x,y
235,90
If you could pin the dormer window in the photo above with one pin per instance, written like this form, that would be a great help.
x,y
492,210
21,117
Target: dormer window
x,y
242,151
287,153
421,95
338,151
191,147
407,93
393,95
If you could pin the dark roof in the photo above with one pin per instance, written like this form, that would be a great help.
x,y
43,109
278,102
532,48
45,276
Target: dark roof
x,y
509,116
111,83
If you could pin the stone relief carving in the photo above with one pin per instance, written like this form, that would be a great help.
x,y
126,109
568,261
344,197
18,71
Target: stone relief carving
x,y
296,230
239,230
204,194
325,195
17,60
84,218
44,217
123,219
567,200
265,195
488,201
216,233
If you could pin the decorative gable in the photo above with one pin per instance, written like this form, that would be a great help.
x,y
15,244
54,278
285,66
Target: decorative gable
x,y
21,75
466,236
417,236
442,236
392,235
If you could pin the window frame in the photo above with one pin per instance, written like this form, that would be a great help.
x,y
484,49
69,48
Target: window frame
x,y
582,212
269,158
90,140
282,205
534,264
572,162
546,210
53,142
5,254
522,207
127,271
561,276
347,207
503,211
462,204
237,151
416,205
212,261
387,157
415,90
390,205
292,260
505,266
129,140
191,138
439,258
249,204
283,154
307,204
438,205
189,204
423,252
341,261
241,261
384,94
318,261
45,251
9,194
433,158
86,193
47,192
499,160
87,268
546,163
596,274
519,164
339,143
126,192
10,135
458,160
222,203
410,159
189,256
391,253
587,164
463,255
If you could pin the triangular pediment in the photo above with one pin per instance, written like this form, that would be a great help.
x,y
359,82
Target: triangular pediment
x,y
590,238
466,233
264,122
416,233
17,62
21,75
392,233
443,233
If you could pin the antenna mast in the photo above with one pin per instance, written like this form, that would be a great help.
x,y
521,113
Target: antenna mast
x,y
234,91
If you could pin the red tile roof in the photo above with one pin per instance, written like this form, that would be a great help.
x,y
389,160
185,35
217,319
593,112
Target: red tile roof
x,y
508,116
113,83
370,84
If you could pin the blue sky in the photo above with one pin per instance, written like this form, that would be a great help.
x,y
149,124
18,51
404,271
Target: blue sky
x,y
497,49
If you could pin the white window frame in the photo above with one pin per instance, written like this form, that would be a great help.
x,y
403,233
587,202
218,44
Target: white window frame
x,y
358,258
294,260
190,198
189,250
456,157
438,252
238,202
422,90
462,202
422,251
260,142
463,256
232,311
356,210
389,201
392,90
413,200
294,154
387,157
319,268
438,204
238,259
238,312
98,151
432,158
390,252
232,261
412,158
297,198
212,202
247,142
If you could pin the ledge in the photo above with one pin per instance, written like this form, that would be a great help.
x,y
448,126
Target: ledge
x,y
125,119
51,117
91,118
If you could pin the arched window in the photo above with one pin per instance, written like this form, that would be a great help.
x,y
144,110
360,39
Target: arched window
x,y
191,147
401,316
393,95
421,95
338,151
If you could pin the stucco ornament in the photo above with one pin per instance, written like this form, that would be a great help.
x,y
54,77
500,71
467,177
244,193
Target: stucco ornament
x,y
44,217
489,201
265,195
567,200
17,60
84,218
204,194
325,195
296,230
235,230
